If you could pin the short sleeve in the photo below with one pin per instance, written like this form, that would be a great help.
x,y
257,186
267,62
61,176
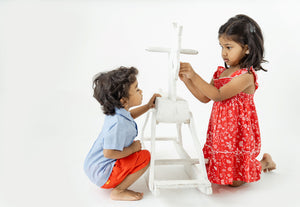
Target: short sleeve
x,y
255,77
219,71
245,70
114,138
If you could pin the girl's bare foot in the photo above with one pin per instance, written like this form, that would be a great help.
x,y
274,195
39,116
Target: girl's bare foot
x,y
125,195
267,163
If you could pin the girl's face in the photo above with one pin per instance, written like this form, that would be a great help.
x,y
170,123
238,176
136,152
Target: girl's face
x,y
135,95
232,52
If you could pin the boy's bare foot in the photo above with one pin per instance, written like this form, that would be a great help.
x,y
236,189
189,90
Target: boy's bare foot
x,y
267,163
125,195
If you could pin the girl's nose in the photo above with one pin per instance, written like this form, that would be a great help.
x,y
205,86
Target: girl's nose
x,y
224,53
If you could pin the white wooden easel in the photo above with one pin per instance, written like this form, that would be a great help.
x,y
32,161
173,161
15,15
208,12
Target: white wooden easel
x,y
173,110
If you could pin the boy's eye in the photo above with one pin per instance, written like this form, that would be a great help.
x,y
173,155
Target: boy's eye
x,y
228,48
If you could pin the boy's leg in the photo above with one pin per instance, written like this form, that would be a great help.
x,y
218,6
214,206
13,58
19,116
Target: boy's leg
x,y
133,167
122,193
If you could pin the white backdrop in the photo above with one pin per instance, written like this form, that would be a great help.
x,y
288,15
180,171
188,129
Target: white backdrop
x,y
50,50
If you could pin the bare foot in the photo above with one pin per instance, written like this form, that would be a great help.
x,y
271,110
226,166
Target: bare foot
x,y
125,195
267,163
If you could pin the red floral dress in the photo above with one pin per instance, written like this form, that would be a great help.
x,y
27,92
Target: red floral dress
x,y
233,137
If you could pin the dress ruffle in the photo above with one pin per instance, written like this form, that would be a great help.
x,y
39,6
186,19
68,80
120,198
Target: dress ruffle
x,y
224,167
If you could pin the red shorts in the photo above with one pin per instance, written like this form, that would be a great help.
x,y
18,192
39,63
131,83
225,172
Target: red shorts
x,y
126,166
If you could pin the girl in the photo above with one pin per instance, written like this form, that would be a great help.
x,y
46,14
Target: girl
x,y
115,159
233,136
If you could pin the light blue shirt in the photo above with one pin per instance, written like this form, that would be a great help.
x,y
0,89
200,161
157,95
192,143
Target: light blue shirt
x,y
118,131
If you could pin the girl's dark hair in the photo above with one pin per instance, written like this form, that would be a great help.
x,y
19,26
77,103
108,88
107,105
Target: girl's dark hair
x,y
245,31
110,87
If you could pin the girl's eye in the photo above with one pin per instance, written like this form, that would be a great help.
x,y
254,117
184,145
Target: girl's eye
x,y
228,48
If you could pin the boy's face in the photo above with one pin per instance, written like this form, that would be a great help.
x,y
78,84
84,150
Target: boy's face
x,y
135,95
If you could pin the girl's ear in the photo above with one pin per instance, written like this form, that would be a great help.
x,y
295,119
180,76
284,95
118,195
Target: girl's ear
x,y
246,50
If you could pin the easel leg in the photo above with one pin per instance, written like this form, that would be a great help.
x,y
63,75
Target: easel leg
x,y
152,162
206,187
144,128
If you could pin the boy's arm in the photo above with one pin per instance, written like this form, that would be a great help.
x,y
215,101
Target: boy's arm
x,y
142,109
136,112
116,154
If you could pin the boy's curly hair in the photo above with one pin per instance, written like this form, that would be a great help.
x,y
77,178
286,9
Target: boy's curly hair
x,y
110,87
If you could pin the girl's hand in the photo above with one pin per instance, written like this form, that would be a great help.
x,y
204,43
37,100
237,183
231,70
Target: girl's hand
x,y
151,103
186,71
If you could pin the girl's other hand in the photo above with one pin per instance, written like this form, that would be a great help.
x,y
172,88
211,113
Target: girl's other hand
x,y
151,103
186,71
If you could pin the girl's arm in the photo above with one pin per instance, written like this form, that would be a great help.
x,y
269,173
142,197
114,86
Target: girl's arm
x,y
116,154
194,90
142,109
235,86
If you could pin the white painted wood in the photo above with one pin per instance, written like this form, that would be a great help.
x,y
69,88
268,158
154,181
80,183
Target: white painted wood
x,y
173,58
176,161
179,134
167,50
177,183
170,111
160,138
152,164
194,167
173,110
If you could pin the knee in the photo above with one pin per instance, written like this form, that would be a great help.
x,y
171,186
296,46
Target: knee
x,y
237,183
146,155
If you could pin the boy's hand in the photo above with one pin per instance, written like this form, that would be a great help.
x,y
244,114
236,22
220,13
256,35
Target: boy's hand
x,y
142,109
151,103
186,71
136,146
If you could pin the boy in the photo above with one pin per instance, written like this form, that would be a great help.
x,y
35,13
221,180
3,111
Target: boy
x,y
115,159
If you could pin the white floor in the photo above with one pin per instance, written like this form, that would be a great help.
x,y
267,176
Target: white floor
x,y
49,173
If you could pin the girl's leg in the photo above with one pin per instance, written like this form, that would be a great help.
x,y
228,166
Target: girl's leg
x,y
267,164
237,183
122,193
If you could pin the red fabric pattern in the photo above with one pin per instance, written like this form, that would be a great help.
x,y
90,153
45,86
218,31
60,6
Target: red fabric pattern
x,y
233,136
126,166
